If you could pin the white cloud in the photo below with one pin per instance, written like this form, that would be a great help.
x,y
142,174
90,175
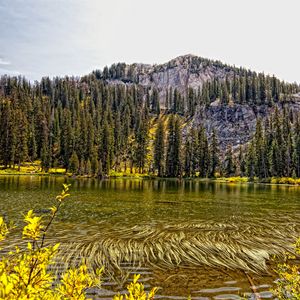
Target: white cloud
x,y
4,61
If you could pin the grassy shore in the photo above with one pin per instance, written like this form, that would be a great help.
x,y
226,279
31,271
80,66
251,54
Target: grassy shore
x,y
271,180
35,169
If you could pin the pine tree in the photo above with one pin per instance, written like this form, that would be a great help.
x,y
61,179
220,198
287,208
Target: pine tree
x,y
88,167
142,140
173,159
106,148
250,162
74,163
296,153
100,170
242,162
229,166
81,167
94,165
261,168
159,148
117,141
189,154
155,105
203,153
7,135
21,148
275,159
67,138
214,154
32,147
195,150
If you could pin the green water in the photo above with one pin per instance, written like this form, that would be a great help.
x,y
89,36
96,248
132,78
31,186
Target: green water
x,y
188,237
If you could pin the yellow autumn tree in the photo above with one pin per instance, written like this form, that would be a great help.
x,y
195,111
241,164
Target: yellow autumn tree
x,y
24,273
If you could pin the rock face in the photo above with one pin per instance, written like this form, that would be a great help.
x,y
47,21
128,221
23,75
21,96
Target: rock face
x,y
180,73
235,123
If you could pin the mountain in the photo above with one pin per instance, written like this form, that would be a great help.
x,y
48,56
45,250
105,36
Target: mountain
x,y
179,73
170,119
235,117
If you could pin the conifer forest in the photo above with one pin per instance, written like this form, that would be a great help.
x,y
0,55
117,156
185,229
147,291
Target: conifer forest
x,y
108,121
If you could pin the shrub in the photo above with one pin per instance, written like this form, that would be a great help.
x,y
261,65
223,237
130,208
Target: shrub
x,y
24,274
136,291
288,285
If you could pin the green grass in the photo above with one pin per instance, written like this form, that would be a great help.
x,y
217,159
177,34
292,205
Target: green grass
x,y
285,180
272,180
61,171
28,168
134,174
236,179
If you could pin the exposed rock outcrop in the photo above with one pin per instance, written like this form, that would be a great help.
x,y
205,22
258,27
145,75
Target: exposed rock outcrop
x,y
235,123
180,73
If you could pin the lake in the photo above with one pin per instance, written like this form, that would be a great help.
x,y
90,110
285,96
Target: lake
x,y
210,240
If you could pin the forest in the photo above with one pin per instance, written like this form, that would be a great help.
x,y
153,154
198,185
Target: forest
x,y
93,125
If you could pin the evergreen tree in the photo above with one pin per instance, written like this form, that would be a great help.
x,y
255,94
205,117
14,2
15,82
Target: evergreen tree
x,y
261,168
194,135
159,148
81,167
142,140
274,159
100,170
88,167
214,154
242,162
8,134
203,153
189,154
106,148
173,159
94,165
21,148
229,166
74,163
250,162
155,105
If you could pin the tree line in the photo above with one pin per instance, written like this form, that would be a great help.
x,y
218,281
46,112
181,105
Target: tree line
x,y
273,151
228,85
91,126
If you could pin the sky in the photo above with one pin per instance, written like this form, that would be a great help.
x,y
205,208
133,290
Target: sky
x,y
73,37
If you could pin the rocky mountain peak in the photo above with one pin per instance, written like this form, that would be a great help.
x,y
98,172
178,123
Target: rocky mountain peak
x,y
233,100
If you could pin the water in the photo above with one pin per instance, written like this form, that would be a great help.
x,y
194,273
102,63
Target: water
x,y
187,237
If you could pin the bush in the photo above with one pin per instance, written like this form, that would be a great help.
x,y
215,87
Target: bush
x,y
136,291
24,274
288,285
285,180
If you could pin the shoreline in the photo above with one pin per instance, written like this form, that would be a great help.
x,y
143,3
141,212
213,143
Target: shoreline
x,y
274,181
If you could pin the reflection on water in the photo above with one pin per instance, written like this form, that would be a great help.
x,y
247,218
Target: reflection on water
x,y
205,234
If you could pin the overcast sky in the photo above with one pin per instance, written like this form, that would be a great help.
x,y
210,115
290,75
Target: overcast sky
x,y
74,37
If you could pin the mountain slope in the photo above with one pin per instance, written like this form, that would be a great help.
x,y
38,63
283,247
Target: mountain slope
x,y
106,120
231,108
179,73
